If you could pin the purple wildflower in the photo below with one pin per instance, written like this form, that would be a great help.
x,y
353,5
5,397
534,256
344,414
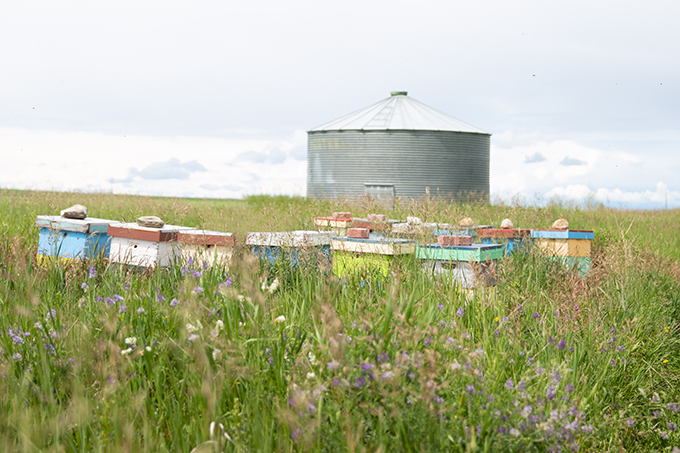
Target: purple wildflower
x,y
671,426
536,315
440,307
672,406
332,365
428,340
118,298
502,430
93,272
197,290
140,310
311,409
110,302
612,362
195,273
173,303
509,384
630,422
122,309
360,382
561,345
664,435
296,434
460,312
160,298
366,367
471,389
569,388
98,298
84,286
550,393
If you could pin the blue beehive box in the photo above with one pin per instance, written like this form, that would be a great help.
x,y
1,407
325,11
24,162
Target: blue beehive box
x,y
511,239
299,249
72,239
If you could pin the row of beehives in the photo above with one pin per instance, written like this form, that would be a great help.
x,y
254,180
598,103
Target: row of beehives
x,y
371,246
455,253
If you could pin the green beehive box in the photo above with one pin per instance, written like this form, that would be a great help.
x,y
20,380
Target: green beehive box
x,y
473,253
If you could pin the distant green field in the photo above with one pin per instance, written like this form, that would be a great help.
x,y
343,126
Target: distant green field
x,y
99,357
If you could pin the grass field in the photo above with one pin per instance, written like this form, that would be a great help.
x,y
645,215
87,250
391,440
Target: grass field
x,y
97,357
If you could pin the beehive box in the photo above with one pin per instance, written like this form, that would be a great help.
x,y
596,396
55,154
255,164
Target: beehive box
x,y
466,266
376,226
511,239
205,246
294,248
445,229
72,239
571,247
375,256
134,245
336,226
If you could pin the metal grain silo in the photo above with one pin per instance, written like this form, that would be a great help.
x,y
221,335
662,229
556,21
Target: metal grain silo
x,y
398,147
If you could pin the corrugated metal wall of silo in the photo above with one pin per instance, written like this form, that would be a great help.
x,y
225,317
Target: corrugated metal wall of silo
x,y
451,164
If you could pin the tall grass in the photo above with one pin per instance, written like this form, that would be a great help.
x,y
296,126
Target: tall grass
x,y
98,357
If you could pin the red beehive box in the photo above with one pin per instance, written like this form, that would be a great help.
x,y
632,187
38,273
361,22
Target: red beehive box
x,y
447,241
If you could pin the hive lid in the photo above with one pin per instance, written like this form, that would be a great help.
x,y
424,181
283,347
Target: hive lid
x,y
398,112
205,237
136,232
289,239
86,225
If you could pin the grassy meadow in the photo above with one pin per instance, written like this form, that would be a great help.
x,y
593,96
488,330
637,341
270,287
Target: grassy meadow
x,y
96,357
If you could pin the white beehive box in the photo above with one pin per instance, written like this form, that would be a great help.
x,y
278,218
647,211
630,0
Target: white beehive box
x,y
134,245
211,247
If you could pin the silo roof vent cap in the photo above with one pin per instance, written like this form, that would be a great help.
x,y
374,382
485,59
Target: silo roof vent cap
x,y
399,93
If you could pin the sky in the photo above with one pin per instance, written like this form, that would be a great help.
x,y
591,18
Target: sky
x,y
214,98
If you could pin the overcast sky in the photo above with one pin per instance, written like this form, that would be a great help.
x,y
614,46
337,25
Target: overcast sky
x,y
214,98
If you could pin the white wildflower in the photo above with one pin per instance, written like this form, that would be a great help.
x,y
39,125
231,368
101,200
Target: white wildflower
x,y
455,365
219,325
148,348
514,432
216,354
311,357
311,375
191,328
125,352
274,286
280,319
193,337
131,340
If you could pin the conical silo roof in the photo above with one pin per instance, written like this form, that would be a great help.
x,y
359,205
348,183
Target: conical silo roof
x,y
398,112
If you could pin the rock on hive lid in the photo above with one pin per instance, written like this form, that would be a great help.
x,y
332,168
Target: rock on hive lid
x,y
77,211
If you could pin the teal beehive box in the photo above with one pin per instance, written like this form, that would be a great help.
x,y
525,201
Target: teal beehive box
x,y
465,265
72,239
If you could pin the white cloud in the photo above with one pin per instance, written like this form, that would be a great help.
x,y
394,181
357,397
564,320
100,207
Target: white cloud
x,y
572,171
181,166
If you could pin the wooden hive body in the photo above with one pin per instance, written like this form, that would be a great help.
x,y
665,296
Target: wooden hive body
x,y
144,247
466,266
205,246
72,239
572,248
368,258
294,248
